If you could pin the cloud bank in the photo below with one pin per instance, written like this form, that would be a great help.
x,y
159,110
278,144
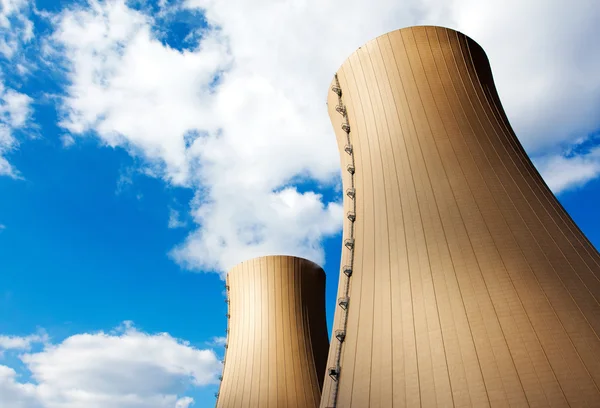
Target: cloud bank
x,y
240,114
125,368
235,111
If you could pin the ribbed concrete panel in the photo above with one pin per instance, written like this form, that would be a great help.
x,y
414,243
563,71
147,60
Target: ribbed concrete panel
x,y
277,334
470,286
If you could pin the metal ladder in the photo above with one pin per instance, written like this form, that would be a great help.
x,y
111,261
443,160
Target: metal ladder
x,y
226,346
344,301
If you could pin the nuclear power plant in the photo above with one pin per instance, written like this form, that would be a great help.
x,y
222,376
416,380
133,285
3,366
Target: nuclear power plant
x,y
463,281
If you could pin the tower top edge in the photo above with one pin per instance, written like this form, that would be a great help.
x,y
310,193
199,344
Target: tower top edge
x,y
278,257
412,29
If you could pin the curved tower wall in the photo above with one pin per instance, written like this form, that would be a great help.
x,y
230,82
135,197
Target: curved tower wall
x,y
470,284
277,334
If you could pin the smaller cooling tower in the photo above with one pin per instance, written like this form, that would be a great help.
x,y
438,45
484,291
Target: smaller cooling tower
x,y
277,339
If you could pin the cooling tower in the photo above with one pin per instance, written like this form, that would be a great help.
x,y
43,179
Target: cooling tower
x,y
464,282
277,334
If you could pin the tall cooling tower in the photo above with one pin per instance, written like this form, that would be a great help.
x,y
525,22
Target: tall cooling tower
x,y
277,334
464,282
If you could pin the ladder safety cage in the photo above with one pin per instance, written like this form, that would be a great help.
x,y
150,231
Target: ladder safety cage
x,y
349,243
343,302
347,269
340,334
333,372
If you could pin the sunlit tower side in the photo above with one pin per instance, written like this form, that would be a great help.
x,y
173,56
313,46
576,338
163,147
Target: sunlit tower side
x,y
277,339
463,281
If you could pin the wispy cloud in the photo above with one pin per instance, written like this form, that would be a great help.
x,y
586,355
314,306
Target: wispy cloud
x,y
175,219
563,172
15,27
125,180
15,113
67,140
218,341
22,343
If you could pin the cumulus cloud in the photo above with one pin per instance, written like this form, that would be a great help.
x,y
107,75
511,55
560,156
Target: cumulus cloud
x,y
15,394
131,89
283,222
163,104
15,112
125,368
239,115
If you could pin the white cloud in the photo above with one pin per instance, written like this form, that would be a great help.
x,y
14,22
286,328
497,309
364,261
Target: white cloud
x,y
122,369
543,63
238,143
132,90
234,229
175,219
161,103
15,27
563,173
14,394
125,180
67,140
15,112
184,402
21,342
218,341
16,108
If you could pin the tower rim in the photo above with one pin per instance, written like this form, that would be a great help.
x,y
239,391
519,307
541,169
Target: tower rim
x,y
407,28
317,267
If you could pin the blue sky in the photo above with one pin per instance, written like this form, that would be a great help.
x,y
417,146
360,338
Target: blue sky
x,y
147,147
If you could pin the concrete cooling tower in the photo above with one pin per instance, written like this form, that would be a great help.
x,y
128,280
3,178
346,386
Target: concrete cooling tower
x,y
277,339
464,283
